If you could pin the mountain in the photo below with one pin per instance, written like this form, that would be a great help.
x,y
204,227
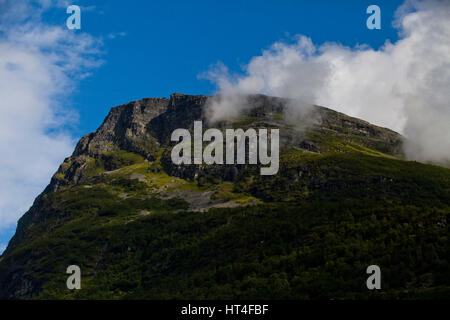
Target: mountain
x,y
140,226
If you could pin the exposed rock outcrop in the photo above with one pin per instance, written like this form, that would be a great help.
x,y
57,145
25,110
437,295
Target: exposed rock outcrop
x,y
143,126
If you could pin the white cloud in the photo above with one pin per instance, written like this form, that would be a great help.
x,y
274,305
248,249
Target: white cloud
x,y
403,85
38,65
114,35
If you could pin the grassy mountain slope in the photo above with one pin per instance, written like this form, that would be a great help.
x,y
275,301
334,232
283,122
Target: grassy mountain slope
x,y
140,227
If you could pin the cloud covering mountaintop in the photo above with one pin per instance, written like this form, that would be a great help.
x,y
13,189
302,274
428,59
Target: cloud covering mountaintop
x,y
404,85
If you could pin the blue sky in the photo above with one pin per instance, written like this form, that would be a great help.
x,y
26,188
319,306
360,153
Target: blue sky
x,y
155,48
167,44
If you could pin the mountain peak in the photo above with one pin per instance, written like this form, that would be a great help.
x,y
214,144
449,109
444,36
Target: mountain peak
x,y
120,201
143,126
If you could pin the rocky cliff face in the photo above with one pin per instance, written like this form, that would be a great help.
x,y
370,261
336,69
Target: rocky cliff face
x,y
125,128
144,126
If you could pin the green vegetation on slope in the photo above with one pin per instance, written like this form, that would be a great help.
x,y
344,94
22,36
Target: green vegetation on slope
x,y
324,219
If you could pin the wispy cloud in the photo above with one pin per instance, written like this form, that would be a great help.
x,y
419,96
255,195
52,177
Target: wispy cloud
x,y
40,65
114,35
403,85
